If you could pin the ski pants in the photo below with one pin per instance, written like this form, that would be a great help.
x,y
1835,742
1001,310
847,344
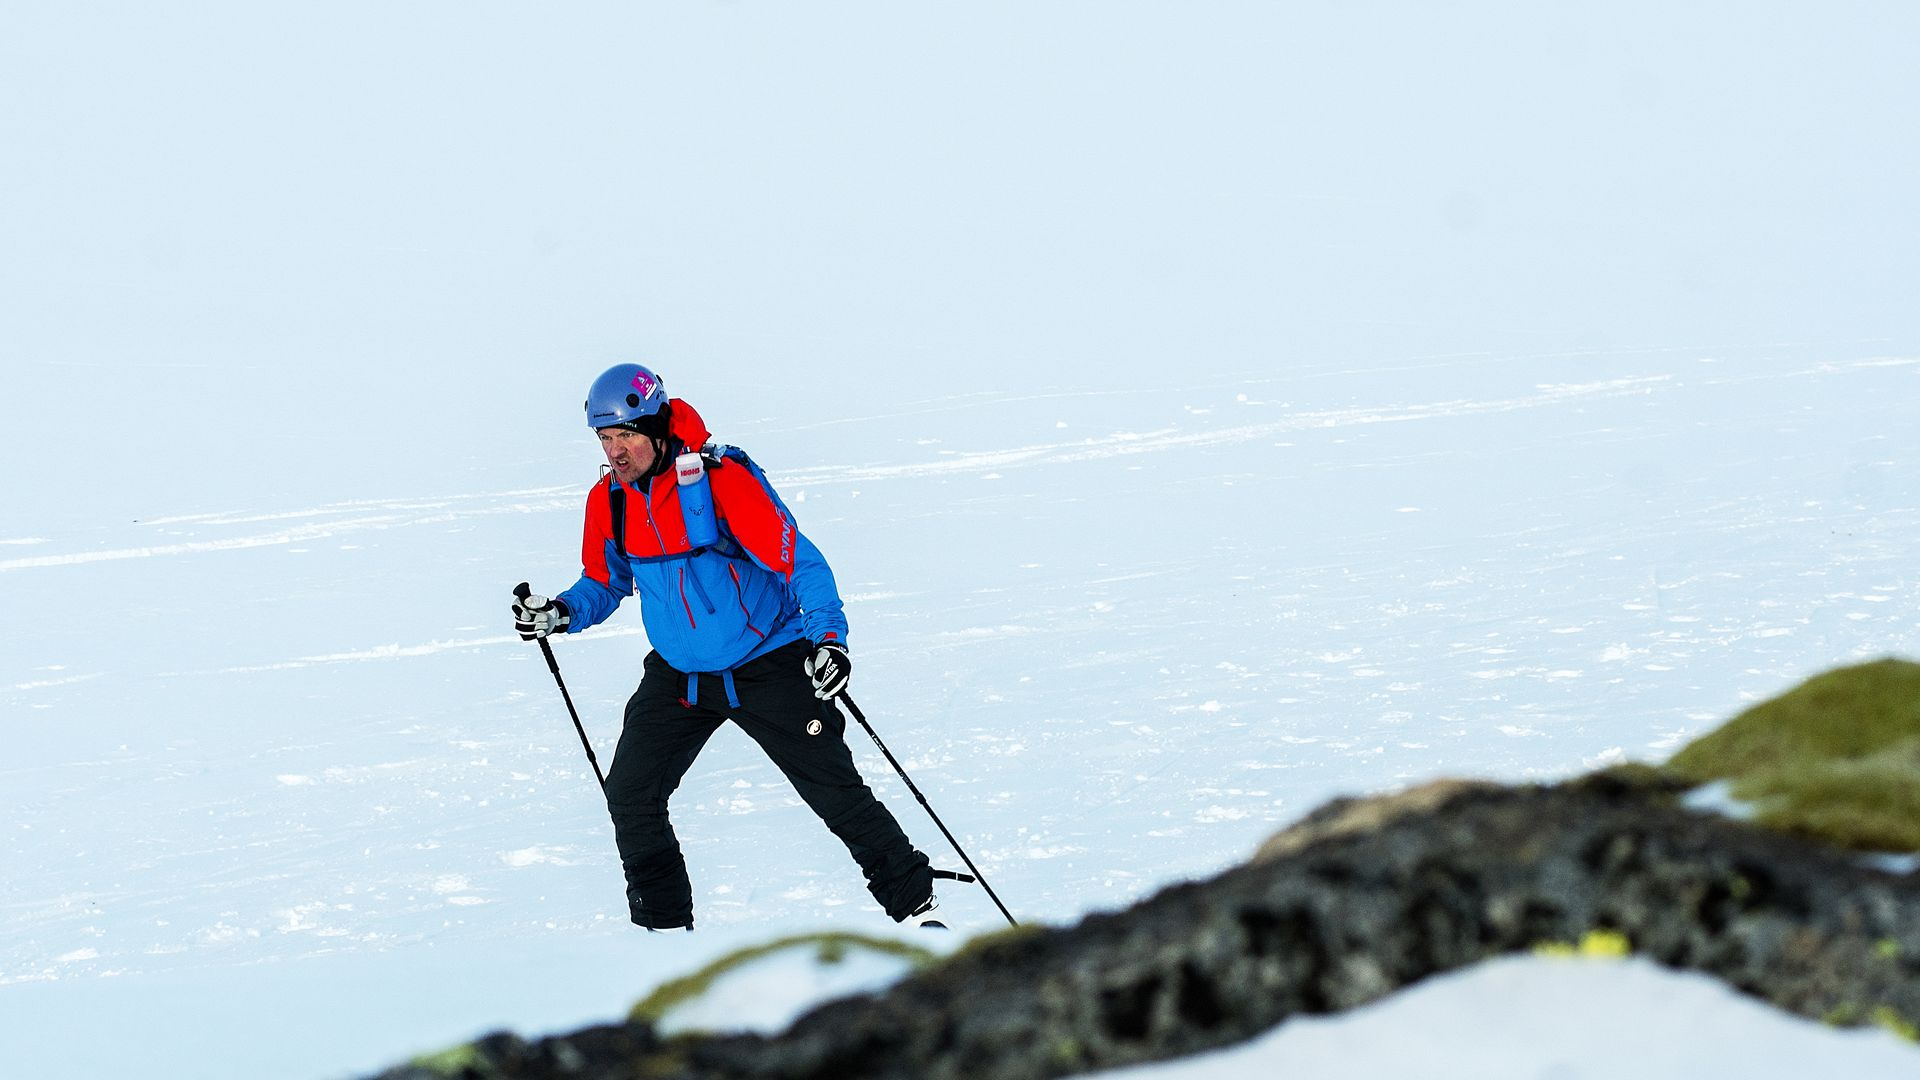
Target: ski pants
x,y
664,732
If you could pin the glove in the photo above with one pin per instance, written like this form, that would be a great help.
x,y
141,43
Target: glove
x,y
829,667
536,616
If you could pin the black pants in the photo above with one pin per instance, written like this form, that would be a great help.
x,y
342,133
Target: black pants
x,y
663,734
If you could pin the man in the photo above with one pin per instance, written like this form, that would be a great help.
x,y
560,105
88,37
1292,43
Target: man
x,y
746,628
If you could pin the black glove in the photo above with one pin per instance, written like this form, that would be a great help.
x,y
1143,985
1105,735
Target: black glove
x,y
829,668
536,616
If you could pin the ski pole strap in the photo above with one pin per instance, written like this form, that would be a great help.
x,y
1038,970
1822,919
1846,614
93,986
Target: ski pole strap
x,y
955,875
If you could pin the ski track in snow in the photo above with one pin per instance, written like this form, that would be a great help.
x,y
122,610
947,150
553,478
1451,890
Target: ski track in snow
x,y
352,517
348,752
345,518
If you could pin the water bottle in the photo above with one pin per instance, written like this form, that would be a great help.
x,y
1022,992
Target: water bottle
x,y
696,500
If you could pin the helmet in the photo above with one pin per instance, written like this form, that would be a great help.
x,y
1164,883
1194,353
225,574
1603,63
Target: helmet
x,y
623,394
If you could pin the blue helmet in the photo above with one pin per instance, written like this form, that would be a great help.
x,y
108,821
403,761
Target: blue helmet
x,y
624,394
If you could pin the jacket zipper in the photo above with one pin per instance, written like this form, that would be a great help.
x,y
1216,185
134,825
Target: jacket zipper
x,y
741,597
660,545
646,498
683,599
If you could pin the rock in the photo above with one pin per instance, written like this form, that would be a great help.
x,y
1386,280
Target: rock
x,y
1345,816
1359,901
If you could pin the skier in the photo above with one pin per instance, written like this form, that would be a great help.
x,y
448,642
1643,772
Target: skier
x,y
745,626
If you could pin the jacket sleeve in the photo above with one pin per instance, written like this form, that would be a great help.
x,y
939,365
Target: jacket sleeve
x,y
762,525
821,615
605,577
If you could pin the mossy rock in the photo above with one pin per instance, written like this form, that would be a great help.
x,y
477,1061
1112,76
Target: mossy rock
x,y
829,948
462,1060
1837,757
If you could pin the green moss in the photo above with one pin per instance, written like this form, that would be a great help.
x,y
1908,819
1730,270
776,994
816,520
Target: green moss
x,y
996,939
1885,1017
452,1061
1887,949
1845,1014
1837,757
832,949
1850,1014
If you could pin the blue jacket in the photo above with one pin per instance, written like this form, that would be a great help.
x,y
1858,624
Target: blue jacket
x,y
707,609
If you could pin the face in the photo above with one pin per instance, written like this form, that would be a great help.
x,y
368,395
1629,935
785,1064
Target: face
x,y
630,453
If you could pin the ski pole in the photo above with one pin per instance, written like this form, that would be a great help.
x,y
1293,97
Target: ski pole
x,y
891,760
523,590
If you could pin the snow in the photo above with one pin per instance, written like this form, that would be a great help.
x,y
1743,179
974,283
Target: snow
x,y
1532,1019
1208,413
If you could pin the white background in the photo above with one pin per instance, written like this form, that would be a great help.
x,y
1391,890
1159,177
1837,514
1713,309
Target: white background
x,y
1208,409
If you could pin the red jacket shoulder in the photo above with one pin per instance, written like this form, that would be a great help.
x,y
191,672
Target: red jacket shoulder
x,y
752,516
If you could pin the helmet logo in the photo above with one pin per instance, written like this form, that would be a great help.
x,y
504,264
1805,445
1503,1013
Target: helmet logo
x,y
644,382
814,727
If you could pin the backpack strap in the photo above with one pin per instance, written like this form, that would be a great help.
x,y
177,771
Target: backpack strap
x,y
617,509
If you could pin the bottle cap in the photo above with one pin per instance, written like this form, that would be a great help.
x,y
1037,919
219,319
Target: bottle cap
x,y
687,468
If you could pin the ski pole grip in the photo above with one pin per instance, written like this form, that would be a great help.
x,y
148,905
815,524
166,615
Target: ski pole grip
x,y
521,592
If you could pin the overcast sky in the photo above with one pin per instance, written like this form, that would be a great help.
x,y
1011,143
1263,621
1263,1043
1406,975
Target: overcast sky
x,y
361,218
